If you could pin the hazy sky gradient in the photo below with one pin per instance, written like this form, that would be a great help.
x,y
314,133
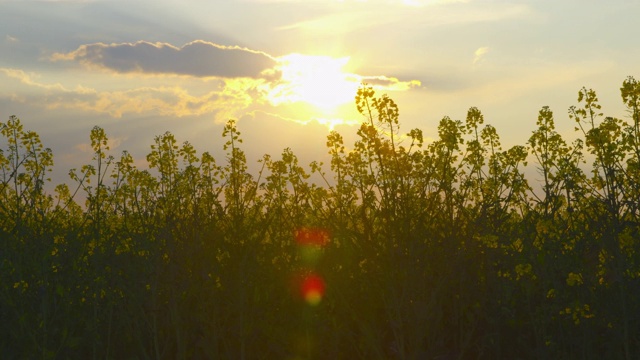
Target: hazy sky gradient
x,y
140,68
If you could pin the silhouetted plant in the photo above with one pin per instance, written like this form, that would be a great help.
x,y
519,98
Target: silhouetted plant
x,y
434,250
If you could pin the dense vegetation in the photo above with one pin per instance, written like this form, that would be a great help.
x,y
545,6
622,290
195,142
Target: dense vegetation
x,y
435,251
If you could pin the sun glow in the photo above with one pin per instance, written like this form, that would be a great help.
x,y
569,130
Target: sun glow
x,y
316,80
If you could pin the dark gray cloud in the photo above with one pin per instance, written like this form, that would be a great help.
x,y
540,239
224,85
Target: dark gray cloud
x,y
197,58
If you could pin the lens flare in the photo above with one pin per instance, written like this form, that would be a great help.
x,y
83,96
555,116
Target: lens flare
x,y
310,254
312,289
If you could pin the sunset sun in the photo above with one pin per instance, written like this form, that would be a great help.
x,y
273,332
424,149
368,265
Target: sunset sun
x,y
316,80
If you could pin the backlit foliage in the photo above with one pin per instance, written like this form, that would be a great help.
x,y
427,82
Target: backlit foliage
x,y
408,249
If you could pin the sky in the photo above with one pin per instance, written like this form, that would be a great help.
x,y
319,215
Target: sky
x,y
287,70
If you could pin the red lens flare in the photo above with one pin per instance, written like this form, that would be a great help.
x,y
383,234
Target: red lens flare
x,y
312,289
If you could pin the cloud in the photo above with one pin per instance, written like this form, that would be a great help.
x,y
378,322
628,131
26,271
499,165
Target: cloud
x,y
306,81
358,16
386,83
479,54
29,79
159,100
11,39
197,58
165,101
